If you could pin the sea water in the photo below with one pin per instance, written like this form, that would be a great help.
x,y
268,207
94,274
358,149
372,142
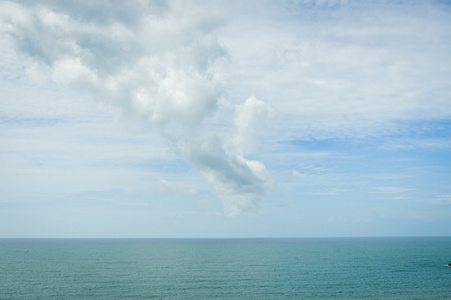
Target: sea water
x,y
304,268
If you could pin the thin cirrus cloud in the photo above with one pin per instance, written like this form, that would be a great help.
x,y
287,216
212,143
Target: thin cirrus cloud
x,y
346,69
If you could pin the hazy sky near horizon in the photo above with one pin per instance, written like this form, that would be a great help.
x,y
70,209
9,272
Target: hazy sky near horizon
x,y
225,118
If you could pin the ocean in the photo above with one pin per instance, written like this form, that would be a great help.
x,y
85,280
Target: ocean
x,y
279,268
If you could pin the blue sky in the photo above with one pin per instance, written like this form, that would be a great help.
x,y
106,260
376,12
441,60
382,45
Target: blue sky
x,y
225,119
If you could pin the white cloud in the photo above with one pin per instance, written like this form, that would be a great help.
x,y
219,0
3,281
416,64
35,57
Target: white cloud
x,y
241,183
356,70
296,173
250,116
332,192
159,61
391,190
323,69
419,143
160,65
443,199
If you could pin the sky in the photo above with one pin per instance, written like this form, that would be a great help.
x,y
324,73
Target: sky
x,y
219,119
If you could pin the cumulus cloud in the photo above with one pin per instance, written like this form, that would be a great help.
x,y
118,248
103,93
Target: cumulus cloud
x,y
250,116
157,60
325,69
240,182
160,64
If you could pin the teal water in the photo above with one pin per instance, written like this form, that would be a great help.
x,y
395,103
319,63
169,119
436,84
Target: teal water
x,y
310,268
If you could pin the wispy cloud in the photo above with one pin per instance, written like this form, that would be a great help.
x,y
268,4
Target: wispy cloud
x,y
443,199
345,70
332,192
390,190
418,143
296,173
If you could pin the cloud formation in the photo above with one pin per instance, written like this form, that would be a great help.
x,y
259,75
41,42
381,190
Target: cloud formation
x,y
240,182
157,60
251,115
159,64
318,70
345,68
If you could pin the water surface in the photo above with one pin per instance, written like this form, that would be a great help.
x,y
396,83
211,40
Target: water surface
x,y
310,268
